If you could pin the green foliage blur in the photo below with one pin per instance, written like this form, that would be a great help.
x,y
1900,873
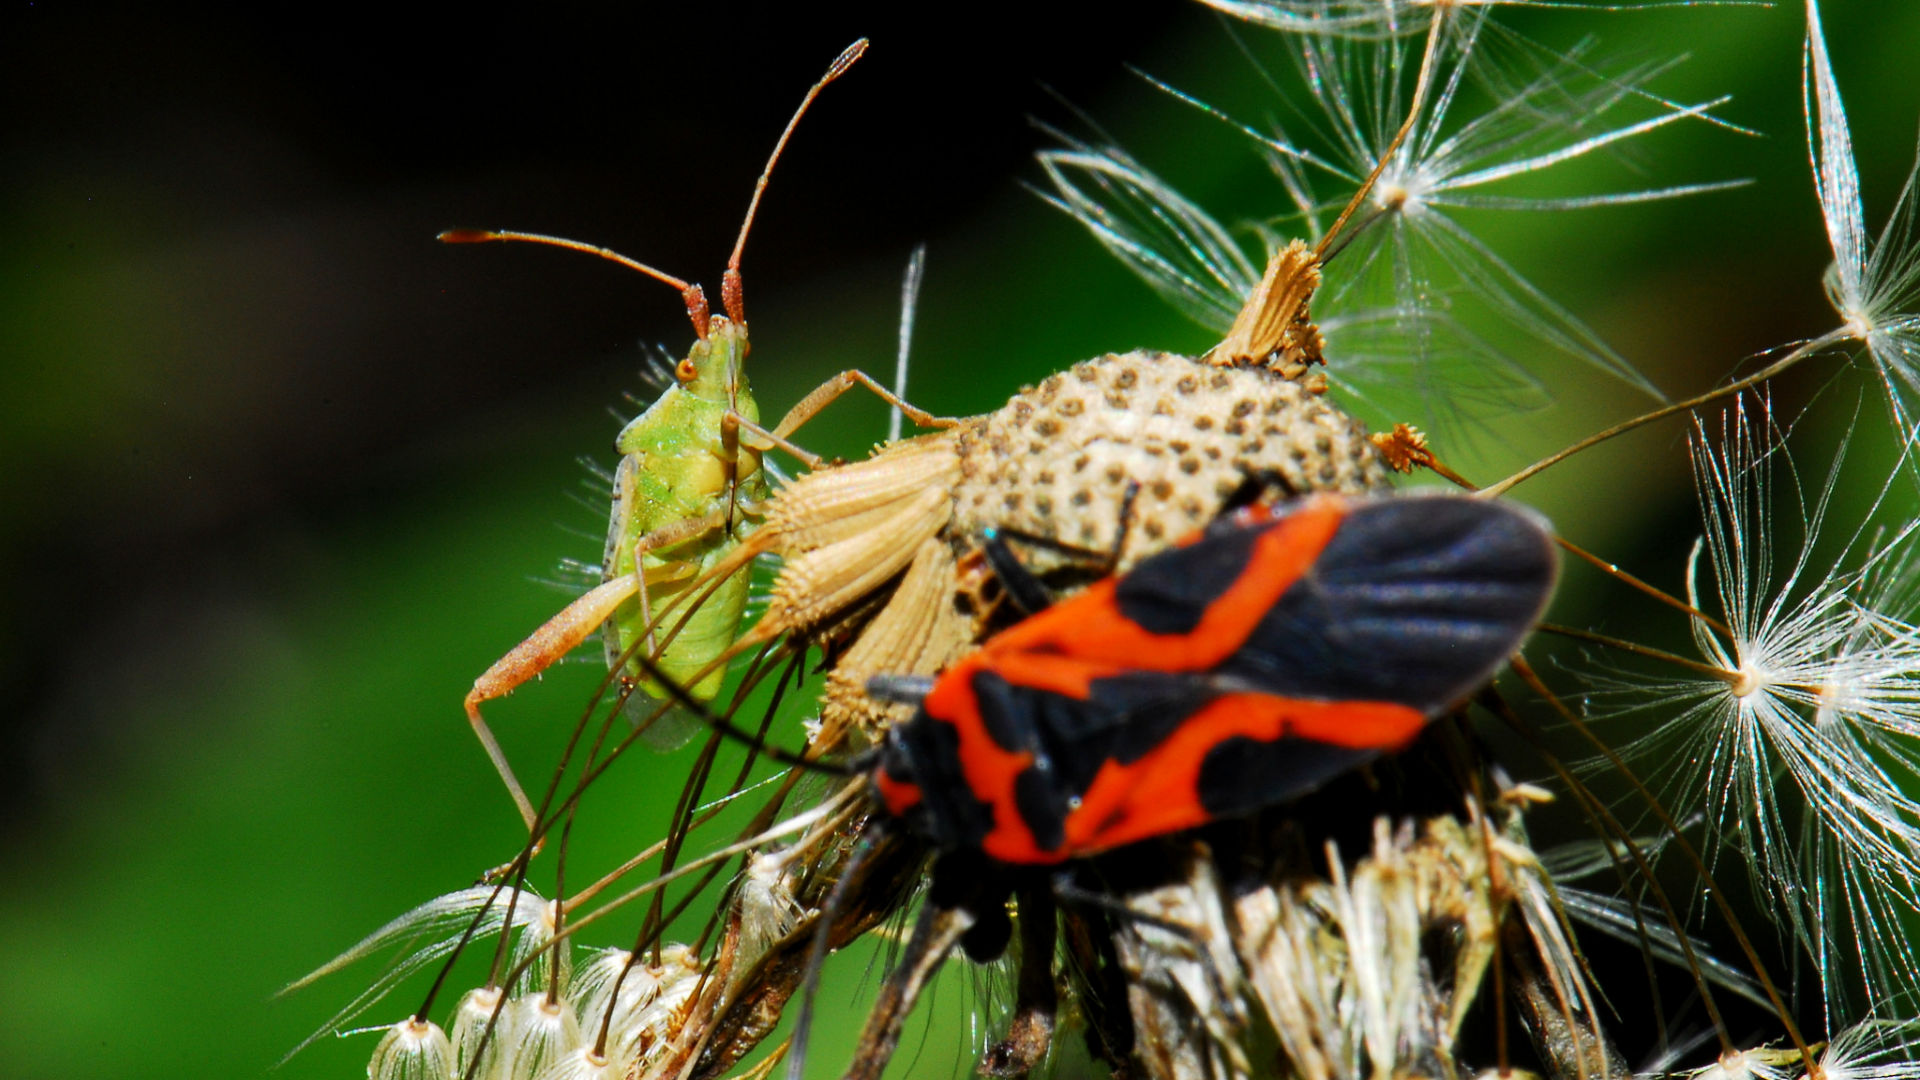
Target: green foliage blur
x,y
284,475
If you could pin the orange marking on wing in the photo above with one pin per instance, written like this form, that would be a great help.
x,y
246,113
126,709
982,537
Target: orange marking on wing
x,y
1158,794
1067,676
990,769
1090,627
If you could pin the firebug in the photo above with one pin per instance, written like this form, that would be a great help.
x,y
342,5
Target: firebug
x,y
1244,666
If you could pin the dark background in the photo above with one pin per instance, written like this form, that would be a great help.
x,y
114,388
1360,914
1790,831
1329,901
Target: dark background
x,y
279,469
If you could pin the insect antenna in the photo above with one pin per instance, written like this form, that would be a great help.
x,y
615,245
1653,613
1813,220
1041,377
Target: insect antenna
x,y
731,297
692,295
1420,455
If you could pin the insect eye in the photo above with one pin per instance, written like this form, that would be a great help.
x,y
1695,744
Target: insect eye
x,y
685,372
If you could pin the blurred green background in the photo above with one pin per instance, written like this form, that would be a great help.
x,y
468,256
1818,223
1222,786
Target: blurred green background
x,y
282,473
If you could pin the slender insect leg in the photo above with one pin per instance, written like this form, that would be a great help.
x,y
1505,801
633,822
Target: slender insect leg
x,y
1030,1032
934,935
824,394
666,536
1127,500
806,457
554,639
1025,590
1255,486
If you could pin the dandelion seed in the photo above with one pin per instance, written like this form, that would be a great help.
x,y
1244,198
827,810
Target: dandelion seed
x,y
619,992
477,1035
536,951
582,1064
1789,743
1873,285
412,1050
426,935
1374,18
1874,1049
767,908
541,1032
1392,310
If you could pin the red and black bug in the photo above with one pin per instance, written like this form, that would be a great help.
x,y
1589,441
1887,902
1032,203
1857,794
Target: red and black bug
x,y
1247,665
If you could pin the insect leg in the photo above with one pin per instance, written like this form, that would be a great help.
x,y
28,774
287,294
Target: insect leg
x,y
1255,487
554,639
1030,1032
1025,591
899,689
824,394
806,457
934,936
667,536
1100,984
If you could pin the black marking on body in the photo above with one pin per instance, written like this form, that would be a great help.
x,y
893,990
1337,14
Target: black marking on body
x,y
1125,718
1242,775
925,751
1170,592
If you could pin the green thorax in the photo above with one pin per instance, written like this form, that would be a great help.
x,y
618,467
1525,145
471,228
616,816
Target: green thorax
x,y
680,445
678,464
709,381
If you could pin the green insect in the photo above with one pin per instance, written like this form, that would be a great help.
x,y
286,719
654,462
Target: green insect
x,y
687,491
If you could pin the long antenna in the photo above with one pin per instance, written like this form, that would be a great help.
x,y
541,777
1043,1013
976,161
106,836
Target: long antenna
x,y
731,297
693,295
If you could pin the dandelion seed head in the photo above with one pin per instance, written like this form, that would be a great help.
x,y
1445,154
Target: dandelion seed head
x,y
1752,680
1836,698
1798,741
1413,300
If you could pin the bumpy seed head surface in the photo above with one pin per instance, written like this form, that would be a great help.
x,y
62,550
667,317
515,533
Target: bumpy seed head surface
x,y
1056,460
